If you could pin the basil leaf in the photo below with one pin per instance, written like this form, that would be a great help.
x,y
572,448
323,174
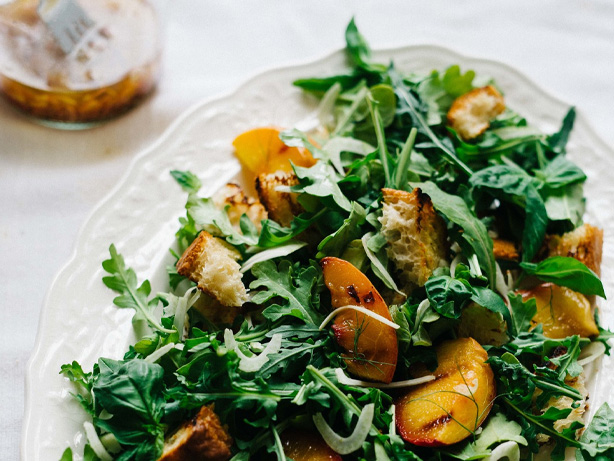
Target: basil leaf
x,y
132,392
475,234
490,300
335,244
516,186
598,437
561,172
567,272
565,204
447,295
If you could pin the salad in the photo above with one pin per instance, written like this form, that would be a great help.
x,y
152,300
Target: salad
x,y
413,281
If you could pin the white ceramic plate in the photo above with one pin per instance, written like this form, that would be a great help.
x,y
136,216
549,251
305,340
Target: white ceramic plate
x,y
78,320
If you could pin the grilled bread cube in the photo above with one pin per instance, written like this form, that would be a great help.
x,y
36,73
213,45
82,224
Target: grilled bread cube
x,y
584,244
416,235
470,114
200,438
504,249
212,264
564,403
282,207
238,203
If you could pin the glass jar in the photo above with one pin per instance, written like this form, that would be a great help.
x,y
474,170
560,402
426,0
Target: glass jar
x,y
113,67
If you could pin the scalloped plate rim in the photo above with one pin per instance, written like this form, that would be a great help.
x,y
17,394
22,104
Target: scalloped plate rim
x,y
115,193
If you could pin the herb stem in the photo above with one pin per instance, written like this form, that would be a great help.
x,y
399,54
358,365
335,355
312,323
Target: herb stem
x,y
381,139
337,393
537,423
404,158
404,96
348,114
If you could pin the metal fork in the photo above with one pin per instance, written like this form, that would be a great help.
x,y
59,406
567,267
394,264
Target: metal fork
x,y
67,22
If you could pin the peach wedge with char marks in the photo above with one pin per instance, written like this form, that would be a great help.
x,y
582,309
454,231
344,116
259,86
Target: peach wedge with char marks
x,y
370,346
450,408
307,445
562,311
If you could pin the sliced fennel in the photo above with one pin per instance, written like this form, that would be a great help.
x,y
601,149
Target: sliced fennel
x,y
346,445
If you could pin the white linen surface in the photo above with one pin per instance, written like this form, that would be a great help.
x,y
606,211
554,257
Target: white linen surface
x,y
51,180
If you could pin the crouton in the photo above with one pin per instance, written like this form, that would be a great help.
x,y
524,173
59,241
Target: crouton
x,y
416,235
214,311
564,403
282,207
504,249
584,244
238,203
201,437
212,264
470,114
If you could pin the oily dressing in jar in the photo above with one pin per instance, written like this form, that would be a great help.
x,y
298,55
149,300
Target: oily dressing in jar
x,y
115,64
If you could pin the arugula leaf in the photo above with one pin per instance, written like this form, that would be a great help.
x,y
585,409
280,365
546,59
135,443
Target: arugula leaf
x,y
379,260
358,49
295,288
567,272
475,234
410,105
123,280
335,244
321,181
210,218
522,313
273,234
188,181
558,141
323,84
83,382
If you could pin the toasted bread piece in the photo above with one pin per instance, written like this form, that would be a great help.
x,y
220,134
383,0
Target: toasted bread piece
x,y
416,235
504,249
212,264
238,203
282,207
200,438
470,114
563,403
584,244
214,311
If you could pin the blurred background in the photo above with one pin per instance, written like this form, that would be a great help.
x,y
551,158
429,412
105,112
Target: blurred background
x,y
51,180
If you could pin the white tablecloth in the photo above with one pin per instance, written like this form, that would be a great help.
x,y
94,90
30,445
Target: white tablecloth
x,y
51,180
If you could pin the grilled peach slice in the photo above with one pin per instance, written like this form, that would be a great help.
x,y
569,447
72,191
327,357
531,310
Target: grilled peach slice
x,y
307,445
562,312
452,407
261,151
370,346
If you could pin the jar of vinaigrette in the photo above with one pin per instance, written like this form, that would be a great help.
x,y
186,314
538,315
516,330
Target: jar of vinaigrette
x,y
112,63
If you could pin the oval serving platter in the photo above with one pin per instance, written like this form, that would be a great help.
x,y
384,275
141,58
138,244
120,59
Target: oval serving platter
x,y
79,321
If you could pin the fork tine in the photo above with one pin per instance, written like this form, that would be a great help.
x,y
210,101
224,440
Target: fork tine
x,y
66,20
